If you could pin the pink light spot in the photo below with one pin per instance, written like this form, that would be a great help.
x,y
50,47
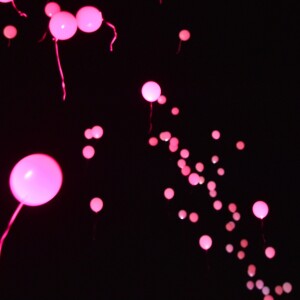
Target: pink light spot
x,y
244,243
186,170
51,8
232,207
201,180
88,152
260,209
165,136
96,204
173,147
251,270
153,141
184,35
220,171
169,193
181,163
241,255
240,145
174,141
250,285
216,134
175,111
287,287
194,179
270,252
193,217
213,193
205,242
236,216
182,214
214,159
184,153
266,290
88,134
162,99
217,205
89,19
278,290
151,91
268,297
229,248
259,284
211,185
10,32
199,167
230,226
97,132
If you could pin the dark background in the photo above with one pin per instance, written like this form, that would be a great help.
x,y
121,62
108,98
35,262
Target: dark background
x,y
237,73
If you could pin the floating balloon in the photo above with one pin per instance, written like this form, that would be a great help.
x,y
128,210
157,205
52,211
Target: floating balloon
x,y
10,31
182,214
175,111
169,193
194,217
260,209
220,171
96,204
97,132
153,141
216,134
199,167
89,19
162,99
266,290
217,205
194,179
51,8
205,242
270,252
251,270
287,287
88,133
240,145
151,91
259,284
184,35
184,153
215,159
63,25
244,243
181,163
165,136
88,152
229,248
241,255
250,285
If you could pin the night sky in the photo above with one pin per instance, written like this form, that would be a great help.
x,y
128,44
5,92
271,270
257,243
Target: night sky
x,y
236,74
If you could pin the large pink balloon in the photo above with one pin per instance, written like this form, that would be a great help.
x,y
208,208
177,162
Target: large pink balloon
x,y
205,242
151,91
10,31
63,25
51,8
260,209
35,179
89,19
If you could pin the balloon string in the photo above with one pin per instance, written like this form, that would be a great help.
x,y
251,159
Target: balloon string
x,y
60,69
150,117
179,47
9,225
115,34
8,44
19,12
43,37
262,233
207,261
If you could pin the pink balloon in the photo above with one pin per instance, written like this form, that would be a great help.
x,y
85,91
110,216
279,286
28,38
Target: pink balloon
x,y
241,255
89,19
181,163
236,216
194,179
217,205
232,207
278,290
5,1
10,31
270,252
63,25
268,297
220,171
97,132
182,214
199,167
287,287
153,141
240,145
174,141
35,179
229,248
88,133
186,170
184,153
230,226
169,193
213,193
88,152
162,99
151,91
260,209
244,243
184,35
173,147
216,134
96,204
175,111
51,8
259,284
266,290
201,180
194,217
215,159
250,285
205,242
211,185
251,270
165,136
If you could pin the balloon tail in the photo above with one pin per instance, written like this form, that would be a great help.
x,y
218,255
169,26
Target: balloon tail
x,y
150,117
12,219
60,70
19,12
94,229
8,43
179,47
43,37
115,34
262,234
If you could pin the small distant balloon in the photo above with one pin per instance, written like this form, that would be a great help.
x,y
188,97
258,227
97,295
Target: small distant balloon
x,y
151,91
184,35
205,242
215,159
236,216
250,285
230,226
213,193
229,248
165,136
186,170
96,204
175,111
220,171
194,179
287,287
51,8
182,214
241,255
260,209
162,99
88,152
259,284
153,141
89,19
216,134
194,217
181,163
266,290
244,243
240,145
278,290
199,167
270,252
10,32
211,185
217,205
174,141
251,270
169,193
184,153
88,134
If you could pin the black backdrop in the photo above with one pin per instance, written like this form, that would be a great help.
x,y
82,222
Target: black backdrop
x,y
237,74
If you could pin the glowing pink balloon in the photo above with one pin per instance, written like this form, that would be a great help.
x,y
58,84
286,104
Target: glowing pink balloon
x,y
97,132
184,153
216,134
241,255
5,1
213,193
199,167
244,243
169,193
270,252
96,204
230,226
259,284
175,111
173,148
153,141
174,141
201,180
194,217
186,170
260,209
88,133
63,25
151,91
162,99
251,270
287,287
35,179
51,8
236,216
220,171
184,35
182,214
229,248
240,145
250,285
211,185
215,159
232,207
205,242
181,163
10,32
268,297
266,290
217,205
194,179
278,290
88,152
89,19
165,136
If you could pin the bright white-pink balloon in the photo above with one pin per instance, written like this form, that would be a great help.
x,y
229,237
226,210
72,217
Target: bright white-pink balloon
x,y
251,270
182,214
88,152
184,153
260,209
51,8
169,193
35,179
10,32
165,136
194,179
205,242
215,159
270,252
184,35
151,91
97,132
5,1
63,25
287,287
89,19
96,204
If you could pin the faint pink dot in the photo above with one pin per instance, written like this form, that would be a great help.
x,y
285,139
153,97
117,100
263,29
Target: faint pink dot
x,y
165,136
214,159
182,214
230,226
162,99
287,287
88,152
266,290
250,285
229,248
251,270
173,148
240,145
193,217
175,111
244,243
236,216
174,141
270,252
199,167
194,179
213,193
278,290
216,134
153,141
201,180
259,284
217,205
97,132
220,171
268,297
241,255
232,207
181,163
184,153
169,193
186,170
88,133
211,185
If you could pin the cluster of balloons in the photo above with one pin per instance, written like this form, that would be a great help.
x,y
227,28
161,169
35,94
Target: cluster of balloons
x,y
96,132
